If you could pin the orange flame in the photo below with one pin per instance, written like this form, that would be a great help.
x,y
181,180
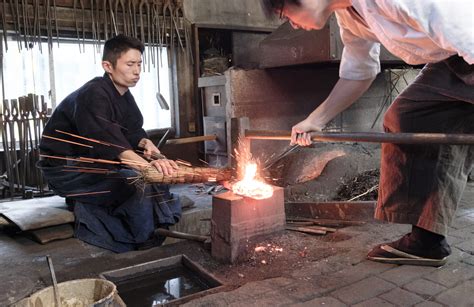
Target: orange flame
x,y
251,187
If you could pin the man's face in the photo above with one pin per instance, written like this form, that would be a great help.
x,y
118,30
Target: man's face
x,y
126,72
309,15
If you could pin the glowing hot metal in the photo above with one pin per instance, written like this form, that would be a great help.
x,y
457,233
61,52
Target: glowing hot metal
x,y
251,187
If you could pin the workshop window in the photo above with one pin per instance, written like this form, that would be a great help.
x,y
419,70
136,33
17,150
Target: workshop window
x,y
28,71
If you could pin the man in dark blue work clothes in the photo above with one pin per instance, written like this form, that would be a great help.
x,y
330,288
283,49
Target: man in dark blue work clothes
x,y
110,212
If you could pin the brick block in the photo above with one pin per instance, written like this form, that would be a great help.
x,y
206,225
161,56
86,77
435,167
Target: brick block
x,y
401,275
460,295
424,287
363,290
451,274
401,297
236,220
374,302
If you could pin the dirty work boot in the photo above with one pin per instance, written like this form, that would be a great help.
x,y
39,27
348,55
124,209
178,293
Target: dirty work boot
x,y
420,247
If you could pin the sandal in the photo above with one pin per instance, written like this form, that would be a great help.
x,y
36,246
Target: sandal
x,y
387,254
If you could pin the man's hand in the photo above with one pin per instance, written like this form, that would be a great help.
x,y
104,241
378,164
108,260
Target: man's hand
x,y
150,151
165,166
301,132
344,93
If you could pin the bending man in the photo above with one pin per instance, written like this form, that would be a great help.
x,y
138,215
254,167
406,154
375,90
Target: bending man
x,y
419,185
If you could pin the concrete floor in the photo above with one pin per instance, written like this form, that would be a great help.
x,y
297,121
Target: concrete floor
x,y
344,278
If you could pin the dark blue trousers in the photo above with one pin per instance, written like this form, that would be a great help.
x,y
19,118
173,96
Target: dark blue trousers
x,y
120,220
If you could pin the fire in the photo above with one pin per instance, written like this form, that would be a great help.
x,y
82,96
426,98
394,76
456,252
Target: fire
x,y
250,186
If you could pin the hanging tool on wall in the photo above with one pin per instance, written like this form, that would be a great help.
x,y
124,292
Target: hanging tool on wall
x,y
28,137
76,23
14,123
23,135
93,29
6,148
175,17
142,28
4,23
105,20
159,31
56,21
133,17
150,28
81,2
116,14
15,13
184,25
49,30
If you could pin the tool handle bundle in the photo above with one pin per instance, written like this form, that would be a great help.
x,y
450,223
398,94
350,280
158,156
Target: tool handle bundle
x,y
186,174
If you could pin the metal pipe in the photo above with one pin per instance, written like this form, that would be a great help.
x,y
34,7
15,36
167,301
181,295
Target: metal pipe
x,y
371,137
193,139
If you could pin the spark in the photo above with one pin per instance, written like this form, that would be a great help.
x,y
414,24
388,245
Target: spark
x,y
80,137
133,162
185,163
87,193
153,155
167,201
105,119
84,171
155,194
260,248
66,141
90,139
92,160
64,158
89,168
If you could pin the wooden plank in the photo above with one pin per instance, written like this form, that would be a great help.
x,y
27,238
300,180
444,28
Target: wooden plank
x,y
35,218
48,234
306,230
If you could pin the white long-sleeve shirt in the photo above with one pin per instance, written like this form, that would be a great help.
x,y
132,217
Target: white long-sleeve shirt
x,y
417,31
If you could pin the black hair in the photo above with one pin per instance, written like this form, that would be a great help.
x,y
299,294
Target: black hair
x,y
114,47
270,7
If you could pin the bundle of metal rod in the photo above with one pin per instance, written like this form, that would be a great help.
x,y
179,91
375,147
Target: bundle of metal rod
x,y
371,137
186,174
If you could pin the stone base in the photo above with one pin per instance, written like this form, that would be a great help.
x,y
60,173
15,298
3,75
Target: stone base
x,y
236,220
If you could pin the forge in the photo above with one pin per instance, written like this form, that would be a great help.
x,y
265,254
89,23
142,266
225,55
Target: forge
x,y
237,221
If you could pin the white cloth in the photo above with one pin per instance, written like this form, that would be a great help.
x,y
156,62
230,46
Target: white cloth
x,y
417,31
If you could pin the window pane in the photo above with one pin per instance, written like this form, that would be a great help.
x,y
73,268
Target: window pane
x,y
28,72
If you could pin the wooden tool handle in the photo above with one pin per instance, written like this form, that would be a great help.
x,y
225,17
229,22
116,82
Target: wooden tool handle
x,y
180,235
193,139
371,137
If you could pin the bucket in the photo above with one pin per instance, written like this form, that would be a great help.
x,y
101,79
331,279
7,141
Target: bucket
x,y
76,293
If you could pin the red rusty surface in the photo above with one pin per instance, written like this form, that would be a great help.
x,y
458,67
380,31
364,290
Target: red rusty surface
x,y
236,220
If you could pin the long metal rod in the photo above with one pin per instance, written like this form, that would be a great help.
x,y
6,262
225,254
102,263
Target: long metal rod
x,y
371,137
